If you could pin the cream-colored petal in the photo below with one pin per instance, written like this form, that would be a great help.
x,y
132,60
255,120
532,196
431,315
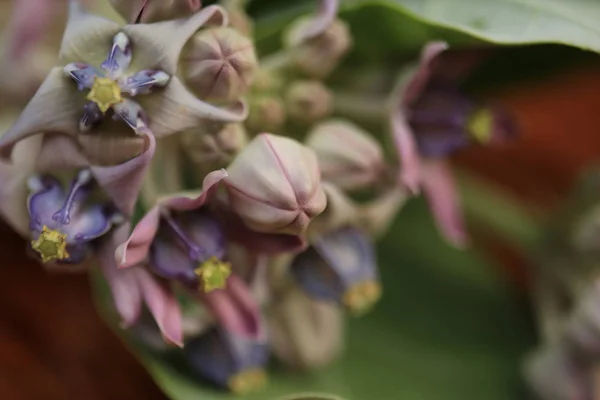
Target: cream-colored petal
x,y
175,109
54,108
87,37
158,45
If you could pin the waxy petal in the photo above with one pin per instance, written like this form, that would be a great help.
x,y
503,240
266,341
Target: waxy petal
x,y
52,109
440,189
154,10
274,185
177,110
406,147
317,24
235,309
122,182
87,37
132,287
132,114
135,249
60,152
158,45
119,57
143,82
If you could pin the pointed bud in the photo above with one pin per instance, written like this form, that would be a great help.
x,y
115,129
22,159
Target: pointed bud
x,y
153,10
308,101
318,56
219,64
210,151
305,333
357,164
274,185
267,113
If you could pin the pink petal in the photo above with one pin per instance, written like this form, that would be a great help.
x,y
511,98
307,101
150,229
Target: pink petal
x,y
162,305
318,23
135,250
430,53
187,203
60,152
123,284
235,309
406,146
440,190
122,182
29,22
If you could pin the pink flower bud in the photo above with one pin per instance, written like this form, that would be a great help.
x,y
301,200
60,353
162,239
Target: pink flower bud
x,y
348,156
154,10
219,64
308,101
274,185
318,56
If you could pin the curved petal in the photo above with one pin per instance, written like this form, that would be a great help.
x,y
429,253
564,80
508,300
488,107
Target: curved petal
x,y
440,190
317,24
162,305
119,56
406,147
122,182
131,113
52,109
87,37
235,309
135,249
176,109
410,91
59,152
47,198
193,201
172,262
83,74
158,45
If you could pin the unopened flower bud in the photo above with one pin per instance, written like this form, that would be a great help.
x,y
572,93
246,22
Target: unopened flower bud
x,y
219,64
212,151
305,333
267,113
318,56
153,10
274,185
348,156
308,101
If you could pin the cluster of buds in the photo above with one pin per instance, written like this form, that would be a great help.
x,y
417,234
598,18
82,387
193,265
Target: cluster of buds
x,y
268,246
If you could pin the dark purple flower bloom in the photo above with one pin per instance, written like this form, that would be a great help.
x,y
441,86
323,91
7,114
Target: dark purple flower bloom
x,y
229,360
63,224
340,266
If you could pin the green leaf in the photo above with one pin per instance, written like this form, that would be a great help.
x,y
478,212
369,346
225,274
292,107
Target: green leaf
x,y
446,328
390,26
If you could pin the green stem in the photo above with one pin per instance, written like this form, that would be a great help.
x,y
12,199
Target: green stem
x,y
368,108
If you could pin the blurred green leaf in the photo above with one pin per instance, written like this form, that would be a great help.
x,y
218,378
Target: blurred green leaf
x,y
446,328
389,26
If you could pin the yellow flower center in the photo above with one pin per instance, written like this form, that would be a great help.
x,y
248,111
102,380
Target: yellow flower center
x,y
51,245
362,296
247,381
480,125
105,92
213,273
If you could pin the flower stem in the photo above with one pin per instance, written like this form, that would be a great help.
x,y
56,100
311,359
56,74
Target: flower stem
x,y
368,108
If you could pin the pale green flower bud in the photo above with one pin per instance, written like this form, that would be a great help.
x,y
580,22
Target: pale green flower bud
x,y
308,101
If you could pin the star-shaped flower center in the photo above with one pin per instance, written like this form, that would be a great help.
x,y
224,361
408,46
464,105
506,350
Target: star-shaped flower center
x,y
108,84
105,93
362,296
51,245
247,381
213,273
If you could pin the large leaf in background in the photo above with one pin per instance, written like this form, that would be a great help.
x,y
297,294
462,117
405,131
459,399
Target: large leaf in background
x,y
391,25
446,328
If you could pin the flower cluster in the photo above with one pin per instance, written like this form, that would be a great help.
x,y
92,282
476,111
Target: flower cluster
x,y
265,244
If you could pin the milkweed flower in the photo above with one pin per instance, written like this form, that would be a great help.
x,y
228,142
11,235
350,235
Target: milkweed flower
x,y
432,118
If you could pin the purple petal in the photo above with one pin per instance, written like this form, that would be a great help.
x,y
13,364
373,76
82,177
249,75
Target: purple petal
x,y
336,262
47,198
406,147
421,77
91,116
219,355
145,82
122,182
180,202
131,113
83,74
440,190
171,261
119,57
